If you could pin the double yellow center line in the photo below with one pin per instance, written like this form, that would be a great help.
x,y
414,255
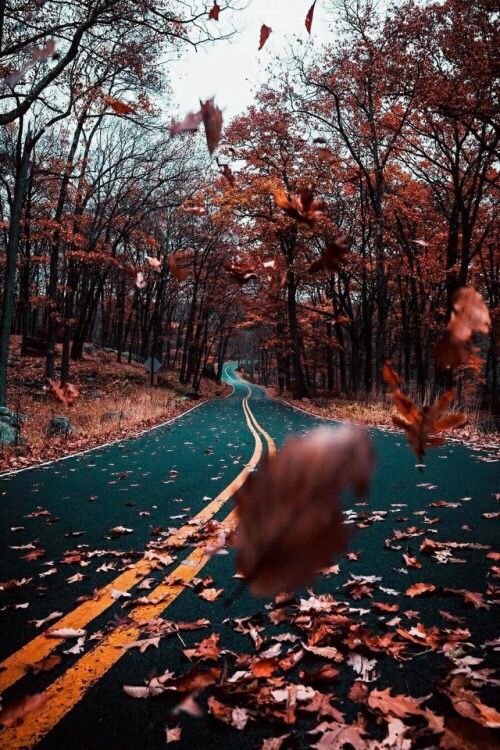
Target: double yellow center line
x,y
66,691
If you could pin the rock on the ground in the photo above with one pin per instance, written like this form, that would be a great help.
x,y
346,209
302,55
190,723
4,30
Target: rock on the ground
x,y
193,395
9,435
59,426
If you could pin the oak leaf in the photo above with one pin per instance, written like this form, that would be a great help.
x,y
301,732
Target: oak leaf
x,y
289,512
422,426
300,206
265,31
212,120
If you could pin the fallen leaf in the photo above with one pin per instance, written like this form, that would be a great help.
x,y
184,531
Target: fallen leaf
x,y
417,589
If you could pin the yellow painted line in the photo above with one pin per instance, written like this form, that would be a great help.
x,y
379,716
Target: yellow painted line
x,y
65,692
14,667
271,445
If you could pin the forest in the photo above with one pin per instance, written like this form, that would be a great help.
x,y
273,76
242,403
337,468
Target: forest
x,y
116,232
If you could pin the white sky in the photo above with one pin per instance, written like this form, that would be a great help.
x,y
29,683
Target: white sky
x,y
233,70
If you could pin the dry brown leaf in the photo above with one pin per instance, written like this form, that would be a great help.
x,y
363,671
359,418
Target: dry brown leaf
x,y
178,272
265,31
417,589
14,712
337,735
467,703
403,706
469,315
212,120
333,256
207,649
300,206
422,426
289,515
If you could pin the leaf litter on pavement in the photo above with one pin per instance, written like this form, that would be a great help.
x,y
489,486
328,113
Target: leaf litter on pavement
x,y
332,666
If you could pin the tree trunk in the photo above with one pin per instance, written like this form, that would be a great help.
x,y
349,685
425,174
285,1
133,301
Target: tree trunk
x,y
10,267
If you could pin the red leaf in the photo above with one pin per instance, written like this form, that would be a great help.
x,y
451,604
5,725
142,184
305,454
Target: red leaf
x,y
212,120
189,124
309,17
121,108
214,13
264,35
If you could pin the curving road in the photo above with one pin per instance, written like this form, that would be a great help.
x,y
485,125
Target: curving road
x,y
164,486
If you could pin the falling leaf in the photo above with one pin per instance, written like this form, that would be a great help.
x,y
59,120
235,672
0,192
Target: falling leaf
x,y
212,120
265,31
289,514
422,426
140,281
300,206
189,124
173,734
14,712
228,173
154,263
178,272
214,12
469,314
40,54
240,271
121,108
326,155
333,256
66,393
309,17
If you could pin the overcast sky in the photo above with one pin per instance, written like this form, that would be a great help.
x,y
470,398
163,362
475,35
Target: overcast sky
x,y
232,70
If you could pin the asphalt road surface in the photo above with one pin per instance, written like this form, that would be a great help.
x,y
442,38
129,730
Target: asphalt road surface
x,y
58,548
